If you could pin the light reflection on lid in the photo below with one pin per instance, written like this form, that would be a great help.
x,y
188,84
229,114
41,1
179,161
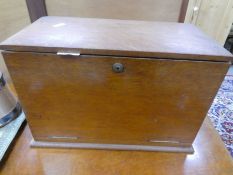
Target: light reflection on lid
x,y
59,25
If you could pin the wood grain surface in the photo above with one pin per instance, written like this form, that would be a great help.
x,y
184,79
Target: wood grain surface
x,y
210,158
80,99
116,37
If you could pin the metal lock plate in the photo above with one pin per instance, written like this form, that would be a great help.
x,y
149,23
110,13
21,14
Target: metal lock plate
x,y
118,67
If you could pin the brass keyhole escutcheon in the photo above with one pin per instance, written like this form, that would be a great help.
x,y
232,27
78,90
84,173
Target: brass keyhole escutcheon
x,y
118,67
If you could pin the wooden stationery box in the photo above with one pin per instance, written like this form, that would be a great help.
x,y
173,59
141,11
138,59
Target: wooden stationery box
x,y
114,84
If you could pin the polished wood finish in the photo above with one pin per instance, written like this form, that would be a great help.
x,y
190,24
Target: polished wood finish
x,y
36,9
210,158
80,99
149,10
116,37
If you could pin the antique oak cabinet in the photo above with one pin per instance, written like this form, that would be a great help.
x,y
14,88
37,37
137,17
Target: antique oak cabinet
x,y
114,84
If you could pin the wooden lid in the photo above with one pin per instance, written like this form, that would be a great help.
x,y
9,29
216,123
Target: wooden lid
x,y
116,37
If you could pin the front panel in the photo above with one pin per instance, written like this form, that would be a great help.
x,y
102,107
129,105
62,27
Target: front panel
x,y
85,99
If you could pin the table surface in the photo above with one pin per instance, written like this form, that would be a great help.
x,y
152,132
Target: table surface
x,y
210,158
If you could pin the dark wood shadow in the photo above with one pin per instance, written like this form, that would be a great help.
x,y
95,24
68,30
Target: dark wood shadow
x,y
36,9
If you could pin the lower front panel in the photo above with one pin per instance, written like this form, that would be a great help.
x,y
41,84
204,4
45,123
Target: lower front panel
x,y
153,102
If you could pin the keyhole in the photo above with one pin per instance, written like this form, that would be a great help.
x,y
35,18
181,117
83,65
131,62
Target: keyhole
x,y
118,67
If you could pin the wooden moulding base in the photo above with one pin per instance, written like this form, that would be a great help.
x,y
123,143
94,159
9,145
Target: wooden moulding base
x,y
44,144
